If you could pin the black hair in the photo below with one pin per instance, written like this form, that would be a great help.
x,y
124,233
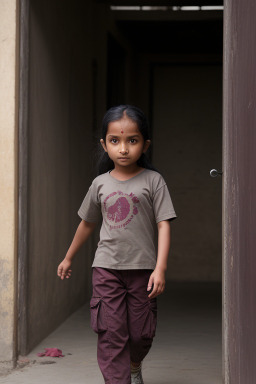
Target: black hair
x,y
116,113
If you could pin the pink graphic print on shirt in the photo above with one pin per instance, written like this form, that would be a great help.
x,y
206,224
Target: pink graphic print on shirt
x,y
120,208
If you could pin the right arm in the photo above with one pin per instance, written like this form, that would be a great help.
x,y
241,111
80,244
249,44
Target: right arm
x,y
84,230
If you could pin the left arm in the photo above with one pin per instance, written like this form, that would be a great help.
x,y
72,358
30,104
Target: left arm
x,y
158,275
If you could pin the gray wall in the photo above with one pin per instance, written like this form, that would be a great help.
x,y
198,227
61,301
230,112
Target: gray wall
x,y
187,144
60,131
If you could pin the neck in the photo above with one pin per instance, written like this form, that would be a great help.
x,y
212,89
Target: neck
x,y
128,170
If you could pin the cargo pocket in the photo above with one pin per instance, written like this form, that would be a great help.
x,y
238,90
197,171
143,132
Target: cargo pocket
x,y
98,315
149,328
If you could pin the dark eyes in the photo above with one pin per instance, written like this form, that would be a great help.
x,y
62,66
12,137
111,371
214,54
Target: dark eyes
x,y
114,141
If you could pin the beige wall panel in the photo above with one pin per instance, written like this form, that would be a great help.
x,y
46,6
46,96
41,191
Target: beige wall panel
x,y
8,180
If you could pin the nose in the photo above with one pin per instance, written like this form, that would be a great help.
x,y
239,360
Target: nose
x,y
123,150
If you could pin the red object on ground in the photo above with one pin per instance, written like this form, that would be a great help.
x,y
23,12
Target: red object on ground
x,y
53,352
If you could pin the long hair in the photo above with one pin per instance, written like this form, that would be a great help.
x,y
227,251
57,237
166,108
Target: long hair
x,y
104,163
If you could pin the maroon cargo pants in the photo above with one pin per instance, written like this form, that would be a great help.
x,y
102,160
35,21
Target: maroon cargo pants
x,y
124,318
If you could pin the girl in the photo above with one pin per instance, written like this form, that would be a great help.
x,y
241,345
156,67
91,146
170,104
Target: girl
x,y
133,199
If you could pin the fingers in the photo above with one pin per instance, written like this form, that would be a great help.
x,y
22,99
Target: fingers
x,y
62,273
150,282
157,290
65,274
59,271
68,273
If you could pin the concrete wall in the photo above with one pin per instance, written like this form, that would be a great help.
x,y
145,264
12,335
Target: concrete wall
x,y
187,144
60,164
8,181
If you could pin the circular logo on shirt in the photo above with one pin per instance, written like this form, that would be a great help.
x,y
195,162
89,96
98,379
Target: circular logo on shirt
x,y
120,208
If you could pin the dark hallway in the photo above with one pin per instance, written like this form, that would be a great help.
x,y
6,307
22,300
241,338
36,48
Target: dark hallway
x,y
168,62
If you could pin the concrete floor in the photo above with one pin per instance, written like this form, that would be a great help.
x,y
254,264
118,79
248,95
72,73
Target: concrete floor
x,y
186,349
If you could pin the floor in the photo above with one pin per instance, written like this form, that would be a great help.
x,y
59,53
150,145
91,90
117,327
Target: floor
x,y
186,349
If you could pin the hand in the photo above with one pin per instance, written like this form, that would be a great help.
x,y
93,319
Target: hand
x,y
63,269
157,278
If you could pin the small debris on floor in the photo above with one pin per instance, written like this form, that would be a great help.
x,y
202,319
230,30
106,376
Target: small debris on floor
x,y
53,352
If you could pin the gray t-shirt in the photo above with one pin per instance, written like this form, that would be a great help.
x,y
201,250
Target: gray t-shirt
x,y
130,210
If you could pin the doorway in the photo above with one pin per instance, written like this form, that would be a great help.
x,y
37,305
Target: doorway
x,y
153,51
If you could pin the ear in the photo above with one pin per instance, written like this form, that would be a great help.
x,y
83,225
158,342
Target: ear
x,y
103,145
146,145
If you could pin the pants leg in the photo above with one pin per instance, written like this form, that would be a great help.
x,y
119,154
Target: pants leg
x,y
142,314
124,318
109,320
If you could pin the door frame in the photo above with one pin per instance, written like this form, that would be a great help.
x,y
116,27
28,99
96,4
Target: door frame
x,y
23,158
239,192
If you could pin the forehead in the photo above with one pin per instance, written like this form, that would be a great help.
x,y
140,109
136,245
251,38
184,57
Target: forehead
x,y
128,126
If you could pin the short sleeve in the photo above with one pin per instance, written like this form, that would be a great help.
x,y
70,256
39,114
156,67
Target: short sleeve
x,y
162,205
90,210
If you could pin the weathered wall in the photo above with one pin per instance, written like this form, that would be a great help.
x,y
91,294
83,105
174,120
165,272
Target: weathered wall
x,y
60,131
8,180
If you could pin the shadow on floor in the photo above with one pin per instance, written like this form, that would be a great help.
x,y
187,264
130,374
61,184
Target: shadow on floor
x,y
186,349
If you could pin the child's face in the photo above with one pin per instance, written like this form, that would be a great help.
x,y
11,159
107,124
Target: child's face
x,y
124,142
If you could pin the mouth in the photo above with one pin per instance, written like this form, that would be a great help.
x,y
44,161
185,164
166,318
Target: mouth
x,y
123,158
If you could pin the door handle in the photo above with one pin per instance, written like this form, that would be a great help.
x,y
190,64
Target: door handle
x,y
214,173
